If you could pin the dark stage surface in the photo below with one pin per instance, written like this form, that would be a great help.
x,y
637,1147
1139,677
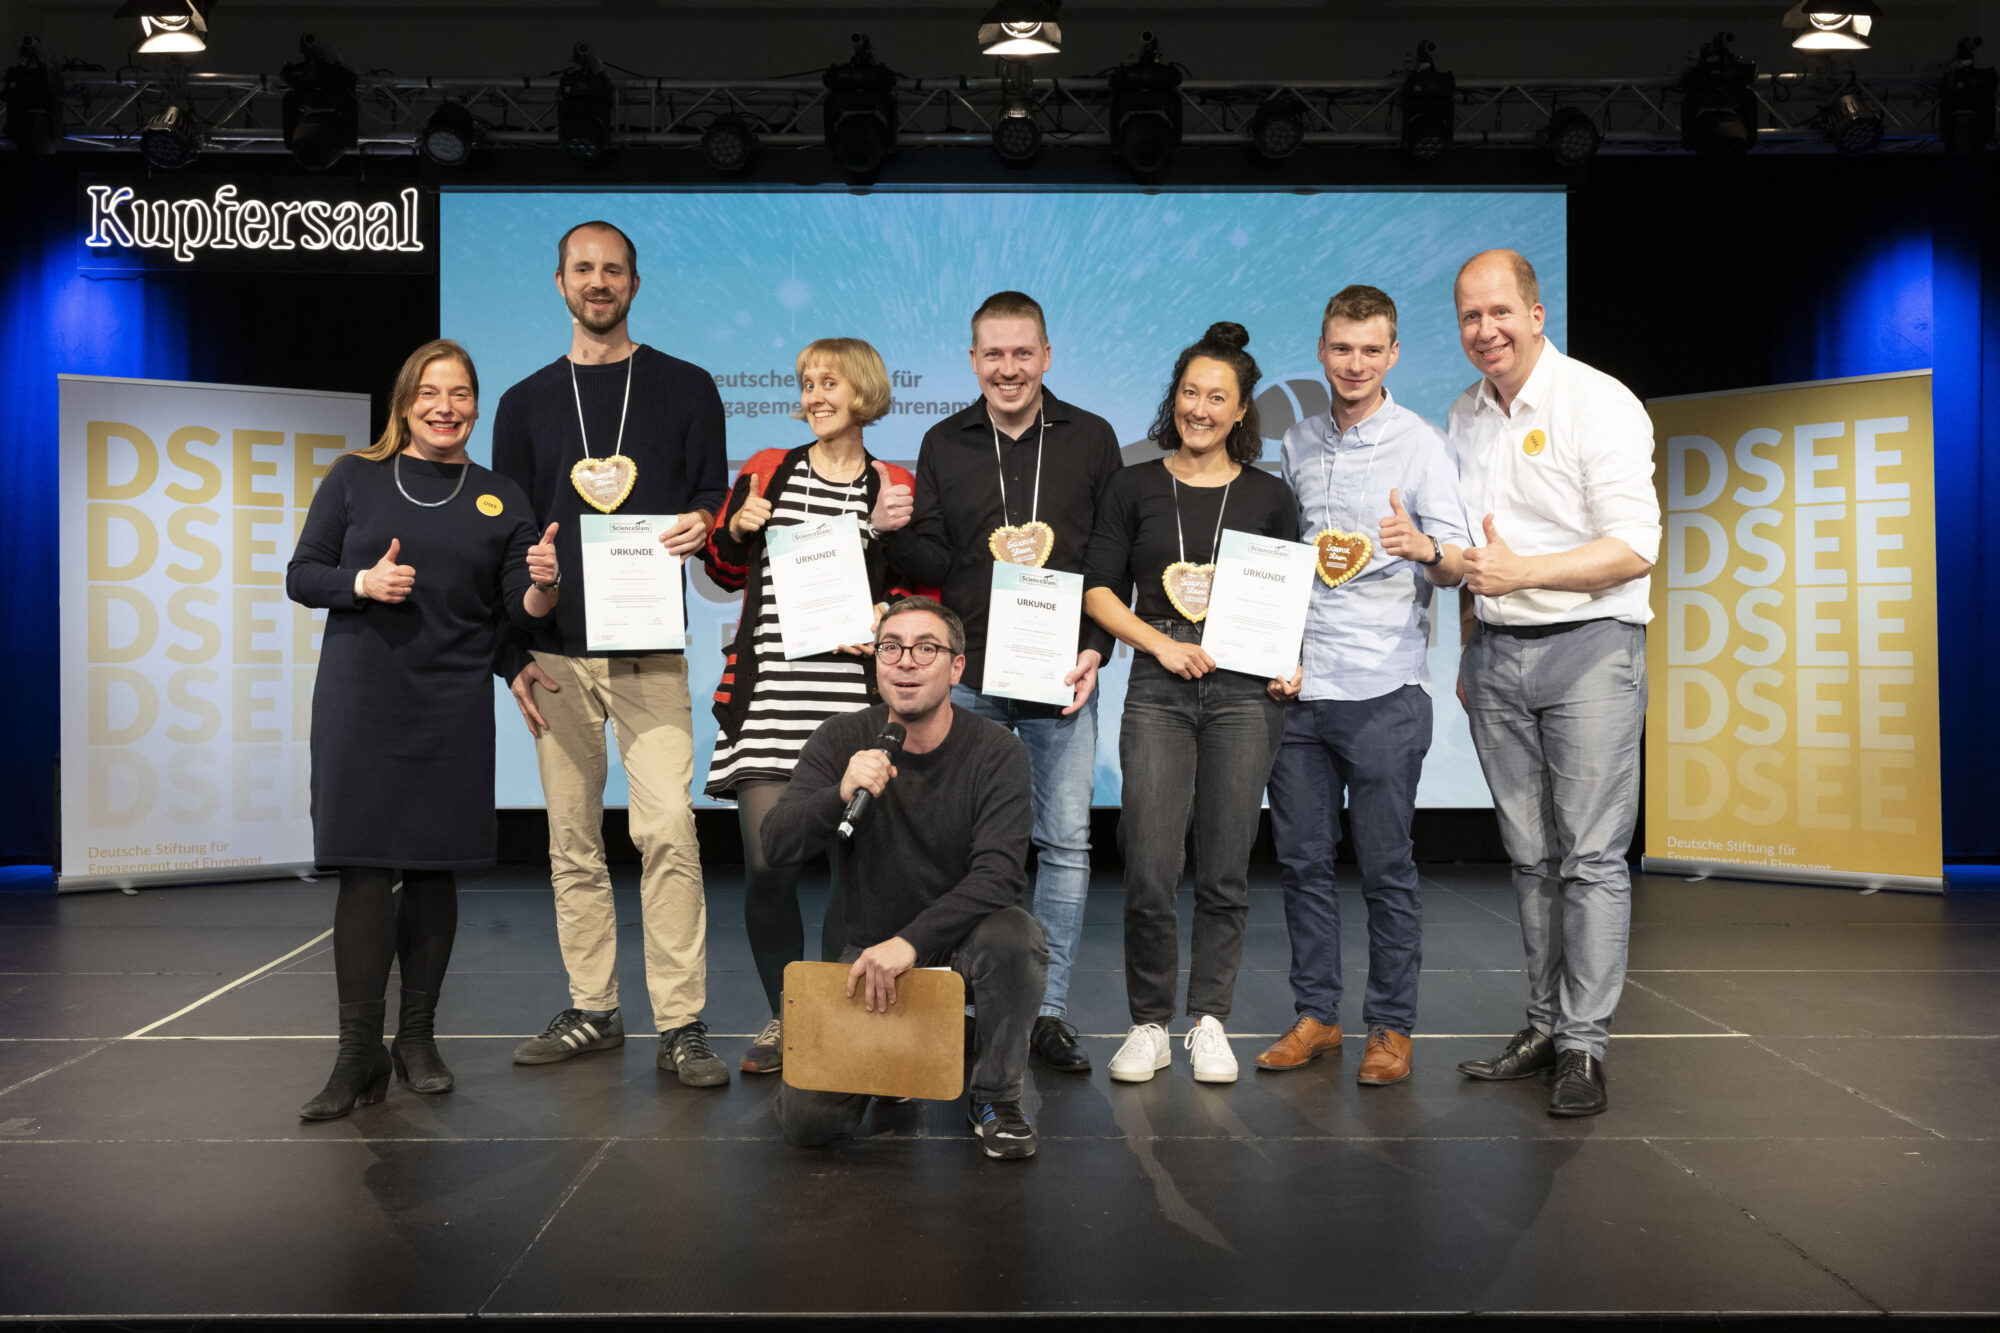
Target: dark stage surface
x,y
1803,1086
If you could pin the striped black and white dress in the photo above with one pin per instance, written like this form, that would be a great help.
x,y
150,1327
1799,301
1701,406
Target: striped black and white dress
x,y
789,700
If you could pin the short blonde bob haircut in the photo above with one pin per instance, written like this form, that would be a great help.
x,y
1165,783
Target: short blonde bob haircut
x,y
857,363
396,435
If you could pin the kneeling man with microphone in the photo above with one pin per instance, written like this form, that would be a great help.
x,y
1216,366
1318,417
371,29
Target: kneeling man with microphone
x,y
933,868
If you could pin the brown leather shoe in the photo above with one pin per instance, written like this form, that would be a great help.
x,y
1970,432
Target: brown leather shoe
x,y
1388,1057
1307,1041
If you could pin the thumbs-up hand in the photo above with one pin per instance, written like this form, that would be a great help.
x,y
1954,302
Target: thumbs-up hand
x,y
1401,537
753,513
543,571
1495,569
387,581
892,504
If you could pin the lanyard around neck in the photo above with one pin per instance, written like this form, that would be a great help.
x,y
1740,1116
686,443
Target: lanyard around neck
x,y
1034,504
619,447
1326,474
1215,542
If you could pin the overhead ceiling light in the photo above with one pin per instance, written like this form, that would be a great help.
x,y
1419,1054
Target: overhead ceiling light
x,y
585,104
860,110
1429,102
449,135
728,143
1278,127
172,139
1832,25
1719,102
1021,28
169,27
1965,102
1572,137
320,115
1852,126
33,92
1146,109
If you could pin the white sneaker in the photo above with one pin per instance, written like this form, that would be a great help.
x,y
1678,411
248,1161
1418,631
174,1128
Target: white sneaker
x,y
1213,1061
1145,1051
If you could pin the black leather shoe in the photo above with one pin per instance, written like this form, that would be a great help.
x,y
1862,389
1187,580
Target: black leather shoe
x,y
1054,1044
1579,1088
1528,1054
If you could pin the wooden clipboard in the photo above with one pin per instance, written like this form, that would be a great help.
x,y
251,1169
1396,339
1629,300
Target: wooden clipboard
x,y
833,1044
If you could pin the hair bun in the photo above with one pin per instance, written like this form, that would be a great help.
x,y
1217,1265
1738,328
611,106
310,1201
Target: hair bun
x,y
1232,336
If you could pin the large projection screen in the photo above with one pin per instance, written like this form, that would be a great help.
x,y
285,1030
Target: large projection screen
x,y
737,281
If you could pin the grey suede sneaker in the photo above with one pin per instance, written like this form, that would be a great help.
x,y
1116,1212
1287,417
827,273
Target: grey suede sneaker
x,y
572,1032
685,1050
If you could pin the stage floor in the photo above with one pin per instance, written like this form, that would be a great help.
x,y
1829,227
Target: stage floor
x,y
1803,1089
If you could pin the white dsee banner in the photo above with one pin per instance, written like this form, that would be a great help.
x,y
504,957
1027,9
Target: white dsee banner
x,y
187,674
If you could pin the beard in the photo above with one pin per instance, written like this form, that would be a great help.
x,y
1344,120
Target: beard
x,y
590,319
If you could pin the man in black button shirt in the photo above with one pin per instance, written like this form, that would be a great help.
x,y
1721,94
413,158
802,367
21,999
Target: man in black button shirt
x,y
612,398
1020,456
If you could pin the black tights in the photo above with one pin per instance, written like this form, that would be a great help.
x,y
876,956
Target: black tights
x,y
371,929
771,897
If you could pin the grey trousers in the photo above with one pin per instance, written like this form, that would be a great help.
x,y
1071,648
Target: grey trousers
x,y
1557,722
1005,962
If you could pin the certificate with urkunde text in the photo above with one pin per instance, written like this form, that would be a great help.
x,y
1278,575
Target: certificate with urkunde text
x,y
821,582
632,593
1257,610
1031,633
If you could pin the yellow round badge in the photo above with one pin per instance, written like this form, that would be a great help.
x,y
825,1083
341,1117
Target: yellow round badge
x,y
490,505
1534,444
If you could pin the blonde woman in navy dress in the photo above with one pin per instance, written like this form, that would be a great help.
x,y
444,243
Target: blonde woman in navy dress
x,y
768,706
415,552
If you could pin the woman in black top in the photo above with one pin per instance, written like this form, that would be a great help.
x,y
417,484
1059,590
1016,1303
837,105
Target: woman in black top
x,y
1196,744
414,550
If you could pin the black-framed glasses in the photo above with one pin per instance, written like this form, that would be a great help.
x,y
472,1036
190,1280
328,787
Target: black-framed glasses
x,y
923,652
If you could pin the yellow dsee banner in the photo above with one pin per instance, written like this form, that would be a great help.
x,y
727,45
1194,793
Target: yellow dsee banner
x,y
1792,731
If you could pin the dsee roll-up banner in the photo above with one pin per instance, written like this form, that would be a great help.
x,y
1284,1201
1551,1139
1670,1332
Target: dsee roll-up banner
x,y
1792,731
187,674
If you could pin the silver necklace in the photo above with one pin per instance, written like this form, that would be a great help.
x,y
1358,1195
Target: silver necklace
x,y
464,470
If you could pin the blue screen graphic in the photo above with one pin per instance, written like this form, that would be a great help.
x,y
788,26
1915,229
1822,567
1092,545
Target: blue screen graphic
x,y
738,282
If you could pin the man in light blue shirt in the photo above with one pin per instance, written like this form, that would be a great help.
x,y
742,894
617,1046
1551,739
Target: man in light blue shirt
x,y
1362,724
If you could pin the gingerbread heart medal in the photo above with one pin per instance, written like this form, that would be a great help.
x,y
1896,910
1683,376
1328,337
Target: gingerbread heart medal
x,y
1023,543
604,482
1188,587
1341,555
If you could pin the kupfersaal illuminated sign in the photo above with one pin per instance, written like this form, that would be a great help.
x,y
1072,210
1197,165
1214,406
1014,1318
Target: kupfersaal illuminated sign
x,y
272,224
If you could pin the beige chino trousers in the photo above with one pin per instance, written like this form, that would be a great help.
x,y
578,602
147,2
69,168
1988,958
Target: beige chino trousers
x,y
645,699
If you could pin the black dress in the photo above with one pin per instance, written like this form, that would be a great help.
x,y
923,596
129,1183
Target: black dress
x,y
402,711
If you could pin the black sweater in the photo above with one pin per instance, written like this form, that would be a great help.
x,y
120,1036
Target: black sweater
x,y
944,848
1136,538
673,434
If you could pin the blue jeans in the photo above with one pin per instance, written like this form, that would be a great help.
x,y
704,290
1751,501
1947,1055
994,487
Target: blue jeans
x,y
1556,721
1062,771
1373,750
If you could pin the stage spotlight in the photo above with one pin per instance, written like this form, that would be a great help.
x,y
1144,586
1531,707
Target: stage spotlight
x,y
1016,137
1429,103
33,91
1832,25
320,116
1719,102
1965,102
1021,28
584,107
1852,126
1146,109
172,139
728,143
1278,127
1572,137
168,27
860,110
449,135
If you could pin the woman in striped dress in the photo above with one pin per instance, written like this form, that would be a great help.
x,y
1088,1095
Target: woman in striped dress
x,y
767,706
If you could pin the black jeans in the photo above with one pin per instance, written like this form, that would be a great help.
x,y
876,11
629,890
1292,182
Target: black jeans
x,y
1005,963
771,914
1194,753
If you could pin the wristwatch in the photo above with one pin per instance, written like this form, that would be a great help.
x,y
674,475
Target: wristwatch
x,y
1437,553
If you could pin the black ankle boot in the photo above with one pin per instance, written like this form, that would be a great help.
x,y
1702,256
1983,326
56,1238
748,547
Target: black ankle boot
x,y
361,1070
414,1052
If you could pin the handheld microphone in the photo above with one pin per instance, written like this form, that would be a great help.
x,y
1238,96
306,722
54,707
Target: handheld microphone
x,y
890,742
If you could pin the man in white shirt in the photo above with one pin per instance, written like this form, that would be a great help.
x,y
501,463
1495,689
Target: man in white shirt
x,y
1555,464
